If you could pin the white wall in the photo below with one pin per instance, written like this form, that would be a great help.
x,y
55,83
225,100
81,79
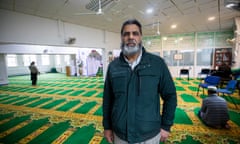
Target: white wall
x,y
27,29
17,28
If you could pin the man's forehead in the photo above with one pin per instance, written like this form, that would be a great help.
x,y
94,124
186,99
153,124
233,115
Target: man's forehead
x,y
131,28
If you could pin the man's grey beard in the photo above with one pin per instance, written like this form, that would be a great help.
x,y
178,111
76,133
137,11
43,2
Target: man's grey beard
x,y
130,50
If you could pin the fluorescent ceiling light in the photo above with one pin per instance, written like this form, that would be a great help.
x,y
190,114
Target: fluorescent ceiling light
x,y
149,42
149,11
211,18
173,26
230,5
164,38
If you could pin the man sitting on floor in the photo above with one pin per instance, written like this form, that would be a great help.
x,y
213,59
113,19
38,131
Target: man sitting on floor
x,y
214,111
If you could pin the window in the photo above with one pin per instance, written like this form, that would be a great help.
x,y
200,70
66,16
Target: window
x,y
168,56
204,57
45,60
187,57
12,60
58,60
27,59
67,59
179,58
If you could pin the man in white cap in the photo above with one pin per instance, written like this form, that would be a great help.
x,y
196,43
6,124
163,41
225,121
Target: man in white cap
x,y
214,110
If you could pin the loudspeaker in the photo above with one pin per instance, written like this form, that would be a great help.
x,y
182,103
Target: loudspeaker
x,y
71,40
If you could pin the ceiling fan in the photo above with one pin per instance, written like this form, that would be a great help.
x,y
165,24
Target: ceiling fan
x,y
153,25
99,11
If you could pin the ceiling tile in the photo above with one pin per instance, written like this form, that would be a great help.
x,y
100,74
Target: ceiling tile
x,y
189,15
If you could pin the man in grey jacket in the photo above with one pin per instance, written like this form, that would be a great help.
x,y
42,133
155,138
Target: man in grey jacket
x,y
214,111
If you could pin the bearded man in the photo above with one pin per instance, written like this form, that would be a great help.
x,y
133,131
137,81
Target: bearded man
x,y
133,86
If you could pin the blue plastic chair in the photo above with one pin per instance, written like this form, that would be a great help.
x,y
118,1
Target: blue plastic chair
x,y
209,81
229,89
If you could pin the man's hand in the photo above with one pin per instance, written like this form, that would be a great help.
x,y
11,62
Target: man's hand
x,y
164,135
108,134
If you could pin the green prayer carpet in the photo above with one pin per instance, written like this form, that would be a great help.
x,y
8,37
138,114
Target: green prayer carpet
x,y
51,133
68,110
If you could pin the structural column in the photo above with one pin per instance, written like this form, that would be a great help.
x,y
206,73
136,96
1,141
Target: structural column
x,y
3,70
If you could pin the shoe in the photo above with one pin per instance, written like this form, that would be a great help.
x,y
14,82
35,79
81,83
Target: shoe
x,y
199,114
227,126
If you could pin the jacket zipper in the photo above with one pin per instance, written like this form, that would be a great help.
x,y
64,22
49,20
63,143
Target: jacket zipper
x,y
138,68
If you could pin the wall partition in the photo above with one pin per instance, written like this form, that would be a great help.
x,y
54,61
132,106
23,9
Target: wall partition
x,y
193,51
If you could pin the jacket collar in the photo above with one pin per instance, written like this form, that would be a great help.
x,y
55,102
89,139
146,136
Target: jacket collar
x,y
211,95
144,62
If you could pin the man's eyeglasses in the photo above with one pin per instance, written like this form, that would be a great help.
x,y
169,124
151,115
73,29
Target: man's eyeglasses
x,y
134,33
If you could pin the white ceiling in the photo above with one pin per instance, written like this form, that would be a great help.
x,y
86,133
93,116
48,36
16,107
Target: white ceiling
x,y
188,15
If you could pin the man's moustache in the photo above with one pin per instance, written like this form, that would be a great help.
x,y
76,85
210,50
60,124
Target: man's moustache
x,y
131,42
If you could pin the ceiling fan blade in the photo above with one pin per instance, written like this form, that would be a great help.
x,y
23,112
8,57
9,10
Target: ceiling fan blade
x,y
99,12
77,14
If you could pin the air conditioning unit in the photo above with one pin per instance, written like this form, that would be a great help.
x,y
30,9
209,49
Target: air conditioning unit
x,y
232,4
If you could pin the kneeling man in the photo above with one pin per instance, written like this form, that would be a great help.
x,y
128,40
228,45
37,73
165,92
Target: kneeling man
x,y
214,110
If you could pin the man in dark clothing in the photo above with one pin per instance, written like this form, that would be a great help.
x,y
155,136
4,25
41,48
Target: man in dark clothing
x,y
214,111
34,72
133,86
